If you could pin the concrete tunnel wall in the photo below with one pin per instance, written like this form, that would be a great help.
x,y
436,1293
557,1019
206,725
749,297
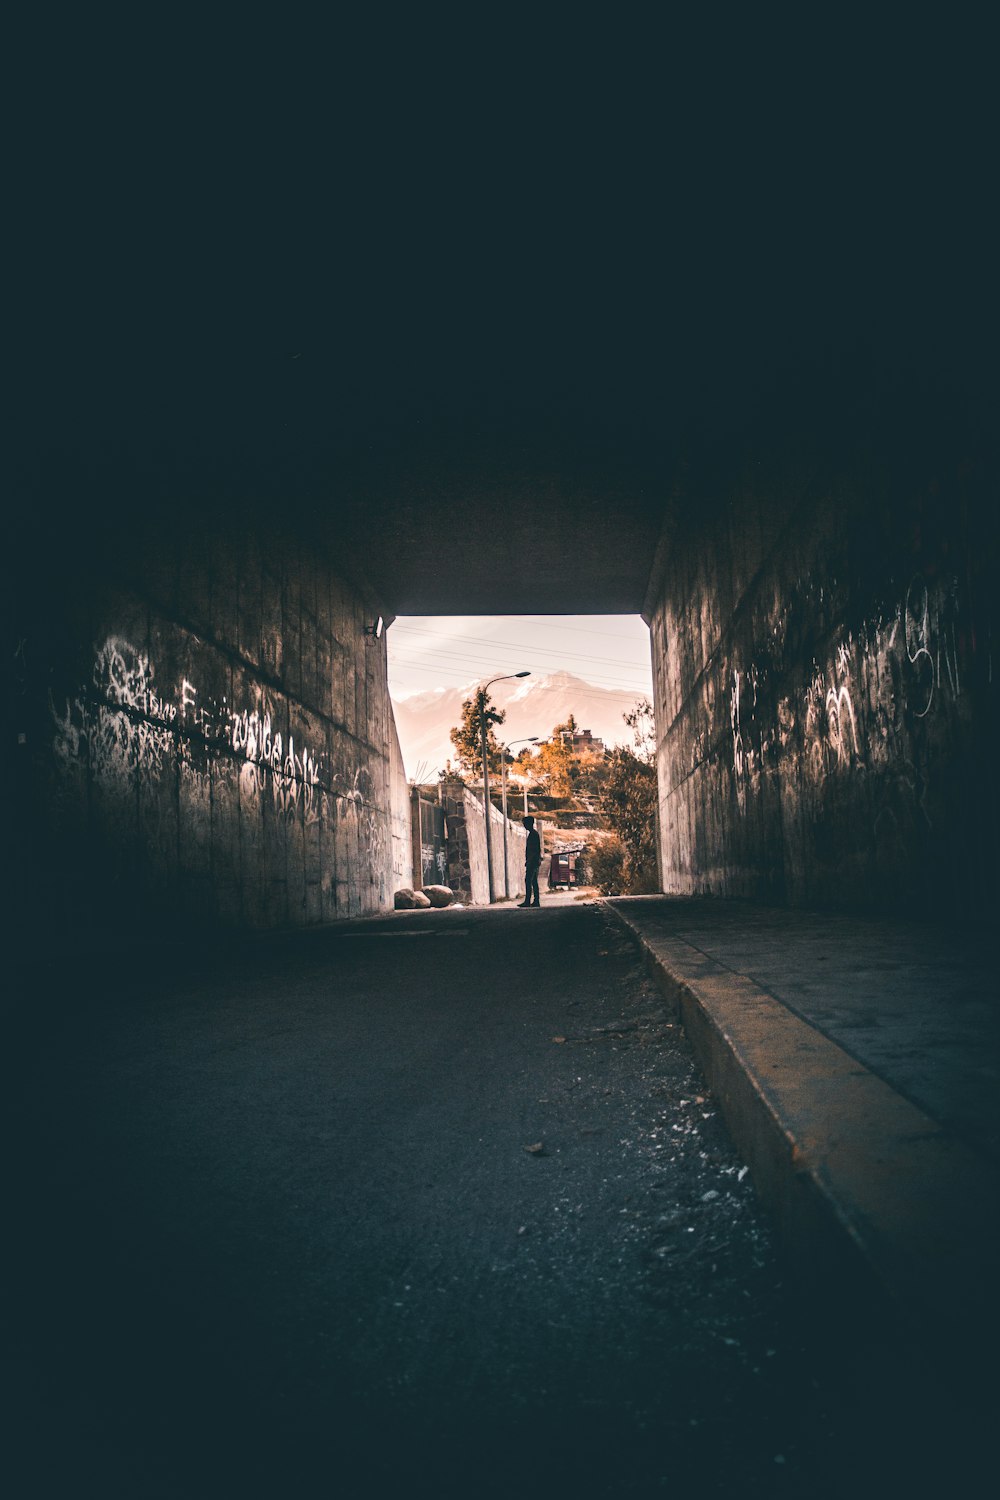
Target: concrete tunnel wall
x,y
821,643
207,731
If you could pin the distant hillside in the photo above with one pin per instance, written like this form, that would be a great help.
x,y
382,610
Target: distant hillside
x,y
534,706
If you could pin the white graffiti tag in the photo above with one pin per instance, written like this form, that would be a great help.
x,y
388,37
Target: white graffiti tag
x,y
125,726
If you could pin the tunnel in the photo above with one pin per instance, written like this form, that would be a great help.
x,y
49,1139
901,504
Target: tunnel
x,y
625,380
200,722
243,1148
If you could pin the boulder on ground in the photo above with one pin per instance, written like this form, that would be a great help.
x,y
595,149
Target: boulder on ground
x,y
440,895
407,900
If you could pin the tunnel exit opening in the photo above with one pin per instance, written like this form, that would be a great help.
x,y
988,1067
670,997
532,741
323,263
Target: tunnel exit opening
x,y
561,706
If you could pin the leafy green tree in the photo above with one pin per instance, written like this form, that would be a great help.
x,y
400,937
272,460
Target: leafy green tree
x,y
467,736
628,801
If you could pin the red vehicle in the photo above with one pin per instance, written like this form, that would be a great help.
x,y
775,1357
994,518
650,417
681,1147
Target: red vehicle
x,y
563,868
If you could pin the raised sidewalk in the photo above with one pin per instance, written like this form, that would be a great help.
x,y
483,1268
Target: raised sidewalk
x,y
857,1064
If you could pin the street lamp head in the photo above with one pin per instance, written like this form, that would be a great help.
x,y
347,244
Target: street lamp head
x,y
505,678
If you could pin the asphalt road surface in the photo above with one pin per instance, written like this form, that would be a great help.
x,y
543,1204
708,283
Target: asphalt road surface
x,y
436,1204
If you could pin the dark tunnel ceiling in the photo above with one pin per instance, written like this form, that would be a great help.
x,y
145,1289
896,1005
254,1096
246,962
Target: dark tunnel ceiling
x,y
496,535
520,494
471,355
512,494
565,553
474,442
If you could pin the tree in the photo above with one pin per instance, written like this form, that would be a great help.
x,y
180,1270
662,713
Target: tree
x,y
591,771
643,726
550,766
607,866
628,801
558,768
467,736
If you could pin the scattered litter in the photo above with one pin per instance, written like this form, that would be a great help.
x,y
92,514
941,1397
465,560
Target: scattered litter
x,y
742,1173
559,1039
707,1197
537,1149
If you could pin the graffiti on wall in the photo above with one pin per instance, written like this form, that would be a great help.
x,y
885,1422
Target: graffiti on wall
x,y
433,864
858,709
824,693
829,719
125,724
127,728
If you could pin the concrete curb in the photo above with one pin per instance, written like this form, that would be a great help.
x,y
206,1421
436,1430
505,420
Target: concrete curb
x,y
881,1212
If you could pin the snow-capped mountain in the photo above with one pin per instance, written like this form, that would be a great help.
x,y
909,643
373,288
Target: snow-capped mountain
x,y
533,707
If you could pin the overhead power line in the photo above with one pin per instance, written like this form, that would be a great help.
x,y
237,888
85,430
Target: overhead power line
x,y
511,645
550,622
455,678
432,658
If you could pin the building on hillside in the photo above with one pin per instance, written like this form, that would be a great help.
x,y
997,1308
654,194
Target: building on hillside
x,y
582,740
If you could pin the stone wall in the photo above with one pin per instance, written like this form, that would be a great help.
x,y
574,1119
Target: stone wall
x,y
467,869
823,686
208,731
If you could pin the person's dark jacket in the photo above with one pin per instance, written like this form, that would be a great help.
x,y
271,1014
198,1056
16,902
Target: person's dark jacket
x,y
533,851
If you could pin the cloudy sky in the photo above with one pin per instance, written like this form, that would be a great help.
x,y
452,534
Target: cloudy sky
x,y
433,651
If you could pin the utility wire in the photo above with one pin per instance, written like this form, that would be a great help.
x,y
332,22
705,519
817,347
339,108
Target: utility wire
x,y
480,658
458,679
516,646
548,621
445,658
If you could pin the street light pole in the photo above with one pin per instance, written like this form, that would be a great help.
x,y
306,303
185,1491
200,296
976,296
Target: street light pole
x,y
531,740
486,775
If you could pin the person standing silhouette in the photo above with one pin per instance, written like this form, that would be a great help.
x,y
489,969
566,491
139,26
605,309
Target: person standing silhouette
x,y
532,861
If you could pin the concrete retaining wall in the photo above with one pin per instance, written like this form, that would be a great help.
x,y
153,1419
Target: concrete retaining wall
x,y
467,869
399,808
207,730
823,683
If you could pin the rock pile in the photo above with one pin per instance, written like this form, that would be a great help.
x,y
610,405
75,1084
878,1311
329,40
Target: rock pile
x,y
431,895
